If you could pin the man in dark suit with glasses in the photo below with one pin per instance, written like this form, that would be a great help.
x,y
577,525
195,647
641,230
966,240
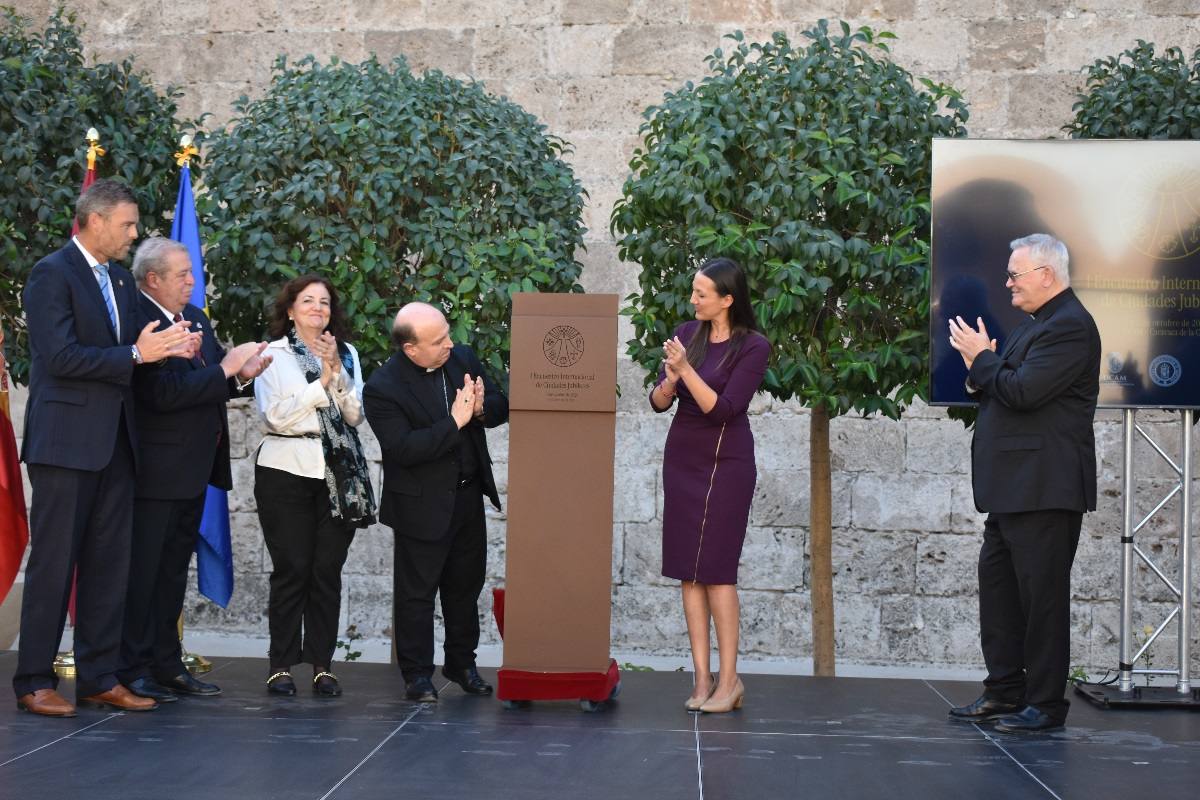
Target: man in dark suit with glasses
x,y
1033,466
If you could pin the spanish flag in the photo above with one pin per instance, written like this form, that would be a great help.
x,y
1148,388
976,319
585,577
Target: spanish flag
x,y
14,522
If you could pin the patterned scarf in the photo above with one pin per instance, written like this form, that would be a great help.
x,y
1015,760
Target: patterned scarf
x,y
350,496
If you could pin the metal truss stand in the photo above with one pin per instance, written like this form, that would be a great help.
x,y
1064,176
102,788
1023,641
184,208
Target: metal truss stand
x,y
1124,694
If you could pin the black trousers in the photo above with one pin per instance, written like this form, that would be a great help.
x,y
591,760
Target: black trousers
x,y
1025,606
80,524
308,547
454,566
164,537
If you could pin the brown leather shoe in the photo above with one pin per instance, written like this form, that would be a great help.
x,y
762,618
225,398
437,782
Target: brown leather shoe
x,y
119,698
46,702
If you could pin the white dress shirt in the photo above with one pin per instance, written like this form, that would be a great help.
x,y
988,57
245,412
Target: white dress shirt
x,y
288,406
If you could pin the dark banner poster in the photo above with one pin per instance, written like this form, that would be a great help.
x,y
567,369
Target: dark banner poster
x,y
1129,213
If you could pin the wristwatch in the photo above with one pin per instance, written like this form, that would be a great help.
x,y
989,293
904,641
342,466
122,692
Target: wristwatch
x,y
137,356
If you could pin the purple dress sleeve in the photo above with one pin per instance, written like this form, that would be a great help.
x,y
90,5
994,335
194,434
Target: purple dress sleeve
x,y
745,378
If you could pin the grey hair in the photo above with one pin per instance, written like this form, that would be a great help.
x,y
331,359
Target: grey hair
x,y
151,256
101,198
1045,249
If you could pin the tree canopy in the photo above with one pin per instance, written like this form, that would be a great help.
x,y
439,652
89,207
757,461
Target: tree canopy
x,y
49,97
810,165
395,186
1139,95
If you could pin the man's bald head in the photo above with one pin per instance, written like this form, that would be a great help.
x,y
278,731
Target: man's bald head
x,y
421,332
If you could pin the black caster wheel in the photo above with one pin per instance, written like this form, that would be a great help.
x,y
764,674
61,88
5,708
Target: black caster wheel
x,y
616,690
591,706
513,704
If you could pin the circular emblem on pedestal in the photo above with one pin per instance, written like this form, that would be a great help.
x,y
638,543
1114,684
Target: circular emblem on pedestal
x,y
563,346
1165,370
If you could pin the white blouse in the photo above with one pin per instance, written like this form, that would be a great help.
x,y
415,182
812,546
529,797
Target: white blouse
x,y
288,405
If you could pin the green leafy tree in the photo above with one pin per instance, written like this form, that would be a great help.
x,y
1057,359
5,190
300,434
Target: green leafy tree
x,y
1140,95
809,165
48,99
397,187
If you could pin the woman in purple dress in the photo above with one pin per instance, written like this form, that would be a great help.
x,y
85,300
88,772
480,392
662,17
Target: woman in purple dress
x,y
714,365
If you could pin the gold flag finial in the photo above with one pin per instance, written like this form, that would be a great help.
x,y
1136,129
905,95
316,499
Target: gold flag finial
x,y
187,151
94,148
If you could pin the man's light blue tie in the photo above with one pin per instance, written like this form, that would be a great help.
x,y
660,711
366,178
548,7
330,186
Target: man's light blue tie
x,y
102,269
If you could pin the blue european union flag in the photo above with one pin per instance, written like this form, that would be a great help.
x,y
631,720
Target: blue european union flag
x,y
214,548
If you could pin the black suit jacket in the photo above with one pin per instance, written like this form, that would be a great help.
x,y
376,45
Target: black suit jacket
x,y
1034,448
80,372
183,430
420,472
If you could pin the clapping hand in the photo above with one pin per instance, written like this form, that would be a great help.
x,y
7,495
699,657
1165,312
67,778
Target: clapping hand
x,y
478,407
174,340
255,365
968,341
464,403
325,349
237,360
676,362
194,340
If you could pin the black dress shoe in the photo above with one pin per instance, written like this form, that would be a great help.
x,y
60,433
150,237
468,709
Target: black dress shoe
x,y
469,679
185,683
421,690
983,709
1030,720
148,687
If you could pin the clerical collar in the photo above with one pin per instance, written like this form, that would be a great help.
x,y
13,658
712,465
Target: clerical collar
x,y
1051,304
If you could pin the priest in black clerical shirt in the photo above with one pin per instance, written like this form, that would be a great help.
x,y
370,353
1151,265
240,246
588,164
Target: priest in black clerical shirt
x,y
428,406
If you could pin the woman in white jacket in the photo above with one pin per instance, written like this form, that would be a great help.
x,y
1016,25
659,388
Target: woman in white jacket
x,y
310,480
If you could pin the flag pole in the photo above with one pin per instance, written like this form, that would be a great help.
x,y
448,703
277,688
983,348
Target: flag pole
x,y
195,663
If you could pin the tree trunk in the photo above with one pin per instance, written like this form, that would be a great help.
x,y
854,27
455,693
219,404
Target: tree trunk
x,y
820,543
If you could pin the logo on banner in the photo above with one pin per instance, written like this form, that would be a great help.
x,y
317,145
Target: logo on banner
x,y
563,346
1165,370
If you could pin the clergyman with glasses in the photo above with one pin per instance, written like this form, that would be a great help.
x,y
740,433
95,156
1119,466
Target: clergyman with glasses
x,y
1033,472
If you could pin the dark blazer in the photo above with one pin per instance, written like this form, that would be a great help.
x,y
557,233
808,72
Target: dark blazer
x,y
420,472
80,373
183,430
1034,448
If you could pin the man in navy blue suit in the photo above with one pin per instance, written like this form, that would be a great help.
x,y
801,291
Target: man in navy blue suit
x,y
80,450
183,446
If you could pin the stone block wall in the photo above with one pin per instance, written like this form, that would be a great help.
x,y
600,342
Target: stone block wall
x,y
906,532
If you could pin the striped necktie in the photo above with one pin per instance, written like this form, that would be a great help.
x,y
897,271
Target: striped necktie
x,y
102,271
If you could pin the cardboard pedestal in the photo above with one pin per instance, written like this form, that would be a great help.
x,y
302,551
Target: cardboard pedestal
x,y
555,612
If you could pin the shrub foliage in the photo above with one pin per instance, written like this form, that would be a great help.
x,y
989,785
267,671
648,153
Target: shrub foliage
x,y
49,98
1140,95
396,187
810,165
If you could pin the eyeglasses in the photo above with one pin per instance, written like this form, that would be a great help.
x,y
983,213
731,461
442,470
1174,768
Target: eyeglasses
x,y
1012,276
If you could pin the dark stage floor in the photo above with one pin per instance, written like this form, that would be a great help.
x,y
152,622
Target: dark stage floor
x,y
796,737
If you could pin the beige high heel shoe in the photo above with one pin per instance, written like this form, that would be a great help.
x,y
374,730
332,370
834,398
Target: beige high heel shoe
x,y
734,700
694,704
